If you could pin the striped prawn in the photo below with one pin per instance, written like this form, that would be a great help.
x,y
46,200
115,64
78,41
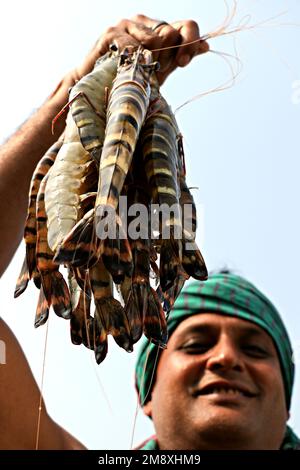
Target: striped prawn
x,y
29,269
88,99
159,153
192,262
54,290
127,107
73,174
142,304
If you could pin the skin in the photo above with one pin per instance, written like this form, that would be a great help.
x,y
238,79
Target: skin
x,y
19,394
210,349
19,398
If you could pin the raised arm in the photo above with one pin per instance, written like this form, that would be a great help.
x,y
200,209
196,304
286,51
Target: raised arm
x,y
20,154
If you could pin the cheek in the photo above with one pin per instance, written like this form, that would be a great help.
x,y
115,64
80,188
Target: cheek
x,y
265,375
269,381
191,370
176,376
179,371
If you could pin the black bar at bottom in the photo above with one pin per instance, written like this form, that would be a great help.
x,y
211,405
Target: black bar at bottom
x,y
134,459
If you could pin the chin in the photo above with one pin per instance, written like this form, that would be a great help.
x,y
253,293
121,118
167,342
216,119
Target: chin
x,y
226,430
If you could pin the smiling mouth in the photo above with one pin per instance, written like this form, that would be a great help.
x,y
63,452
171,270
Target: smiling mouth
x,y
225,392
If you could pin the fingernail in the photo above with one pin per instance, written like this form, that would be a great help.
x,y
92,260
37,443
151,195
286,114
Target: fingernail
x,y
184,60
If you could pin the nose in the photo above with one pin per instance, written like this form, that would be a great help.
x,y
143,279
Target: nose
x,y
225,355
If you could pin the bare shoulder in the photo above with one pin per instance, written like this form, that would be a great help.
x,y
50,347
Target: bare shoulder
x,y
19,399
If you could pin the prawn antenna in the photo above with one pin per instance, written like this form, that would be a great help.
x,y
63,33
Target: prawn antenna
x,y
224,86
140,404
41,391
67,105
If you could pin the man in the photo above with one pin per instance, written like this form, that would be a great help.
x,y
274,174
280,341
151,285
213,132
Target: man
x,y
18,159
225,380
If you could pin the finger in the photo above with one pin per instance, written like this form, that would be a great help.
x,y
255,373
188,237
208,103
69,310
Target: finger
x,y
130,33
119,36
169,37
145,20
144,34
189,32
138,30
162,37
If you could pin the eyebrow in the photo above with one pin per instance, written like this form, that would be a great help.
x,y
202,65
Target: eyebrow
x,y
245,331
253,331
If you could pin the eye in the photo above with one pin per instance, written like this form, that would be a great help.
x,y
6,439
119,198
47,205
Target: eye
x,y
255,350
196,347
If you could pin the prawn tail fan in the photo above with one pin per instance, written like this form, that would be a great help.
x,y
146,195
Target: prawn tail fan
x,y
170,255
193,262
36,278
110,316
99,335
80,322
57,293
169,297
155,324
134,309
42,310
22,280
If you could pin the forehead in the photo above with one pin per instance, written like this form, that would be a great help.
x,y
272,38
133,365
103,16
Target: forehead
x,y
218,323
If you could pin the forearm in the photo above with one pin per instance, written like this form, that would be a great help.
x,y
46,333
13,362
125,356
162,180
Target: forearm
x,y
19,404
18,159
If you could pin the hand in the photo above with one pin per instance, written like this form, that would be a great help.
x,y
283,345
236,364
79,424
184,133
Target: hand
x,y
139,30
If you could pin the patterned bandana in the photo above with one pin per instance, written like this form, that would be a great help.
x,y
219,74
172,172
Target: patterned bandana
x,y
226,294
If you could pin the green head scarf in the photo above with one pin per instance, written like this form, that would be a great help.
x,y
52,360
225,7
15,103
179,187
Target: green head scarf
x,y
225,294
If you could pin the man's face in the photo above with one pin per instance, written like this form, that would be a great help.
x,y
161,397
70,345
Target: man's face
x,y
218,385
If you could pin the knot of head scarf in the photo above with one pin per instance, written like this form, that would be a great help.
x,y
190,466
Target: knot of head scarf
x,y
226,294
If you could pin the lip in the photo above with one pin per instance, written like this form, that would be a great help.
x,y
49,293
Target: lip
x,y
226,389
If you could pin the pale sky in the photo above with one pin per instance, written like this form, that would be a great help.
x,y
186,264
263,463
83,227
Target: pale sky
x,y
242,147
